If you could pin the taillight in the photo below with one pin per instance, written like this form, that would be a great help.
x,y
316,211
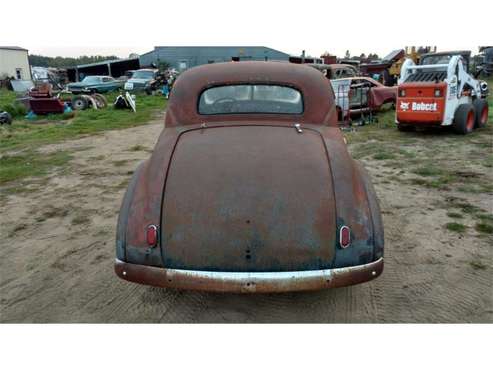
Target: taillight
x,y
438,93
151,235
402,93
344,237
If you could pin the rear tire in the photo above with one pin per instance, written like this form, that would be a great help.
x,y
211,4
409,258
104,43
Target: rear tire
x,y
464,119
481,108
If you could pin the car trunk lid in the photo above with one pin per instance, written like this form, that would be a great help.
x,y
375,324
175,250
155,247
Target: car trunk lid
x,y
249,198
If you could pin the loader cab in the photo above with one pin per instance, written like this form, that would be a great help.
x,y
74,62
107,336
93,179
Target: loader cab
x,y
444,58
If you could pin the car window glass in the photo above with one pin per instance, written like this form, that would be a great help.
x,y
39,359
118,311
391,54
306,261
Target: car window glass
x,y
346,73
143,74
91,80
251,99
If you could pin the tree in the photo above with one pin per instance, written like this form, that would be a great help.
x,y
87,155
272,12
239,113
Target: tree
x,y
62,62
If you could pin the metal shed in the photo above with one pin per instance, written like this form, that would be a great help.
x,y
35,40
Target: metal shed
x,y
114,68
184,57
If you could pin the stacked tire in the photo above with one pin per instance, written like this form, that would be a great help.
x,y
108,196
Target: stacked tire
x,y
81,102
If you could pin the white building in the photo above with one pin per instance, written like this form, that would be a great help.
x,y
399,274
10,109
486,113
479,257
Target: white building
x,y
14,62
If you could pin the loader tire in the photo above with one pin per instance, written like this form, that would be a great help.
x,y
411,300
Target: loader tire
x,y
481,108
464,119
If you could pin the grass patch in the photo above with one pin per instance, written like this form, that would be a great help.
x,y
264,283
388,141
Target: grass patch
x,y
120,163
23,134
384,156
488,162
463,205
454,215
25,137
428,170
477,265
17,228
440,183
30,163
468,208
456,227
80,219
407,154
137,148
484,228
485,217
7,97
52,212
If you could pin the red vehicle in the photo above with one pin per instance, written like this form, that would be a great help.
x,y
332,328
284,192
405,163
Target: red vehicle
x,y
250,188
361,95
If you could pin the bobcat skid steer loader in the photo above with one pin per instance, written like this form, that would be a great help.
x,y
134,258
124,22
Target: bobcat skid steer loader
x,y
441,92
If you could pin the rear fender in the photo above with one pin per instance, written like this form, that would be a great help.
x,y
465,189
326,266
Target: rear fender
x,y
146,199
121,227
352,203
376,215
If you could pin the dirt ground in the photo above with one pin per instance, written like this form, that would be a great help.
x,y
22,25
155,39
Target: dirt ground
x,y
57,253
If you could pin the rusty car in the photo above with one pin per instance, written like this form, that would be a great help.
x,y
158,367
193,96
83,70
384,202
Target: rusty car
x,y
359,95
335,71
250,189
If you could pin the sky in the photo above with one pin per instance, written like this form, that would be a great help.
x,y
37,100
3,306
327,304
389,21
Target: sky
x,y
120,28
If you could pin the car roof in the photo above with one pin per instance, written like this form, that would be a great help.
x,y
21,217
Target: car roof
x,y
318,99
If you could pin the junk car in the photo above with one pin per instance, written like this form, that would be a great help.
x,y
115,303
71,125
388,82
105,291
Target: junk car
x,y
95,84
141,79
334,71
250,188
359,95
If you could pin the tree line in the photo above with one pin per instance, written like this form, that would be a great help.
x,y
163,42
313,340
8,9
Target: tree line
x,y
63,62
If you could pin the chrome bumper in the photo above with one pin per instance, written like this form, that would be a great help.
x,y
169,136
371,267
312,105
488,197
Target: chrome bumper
x,y
248,282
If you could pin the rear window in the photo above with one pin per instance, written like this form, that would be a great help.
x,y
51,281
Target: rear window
x,y
251,99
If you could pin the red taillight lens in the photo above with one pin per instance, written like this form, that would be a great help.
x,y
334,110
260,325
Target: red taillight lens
x,y
151,235
344,237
